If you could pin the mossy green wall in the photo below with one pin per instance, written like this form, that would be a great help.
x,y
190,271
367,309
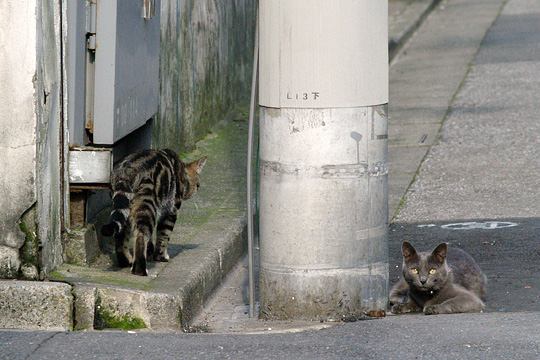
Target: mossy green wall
x,y
206,61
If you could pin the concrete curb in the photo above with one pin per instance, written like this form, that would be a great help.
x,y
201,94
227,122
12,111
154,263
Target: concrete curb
x,y
211,271
100,307
74,305
409,20
33,305
178,294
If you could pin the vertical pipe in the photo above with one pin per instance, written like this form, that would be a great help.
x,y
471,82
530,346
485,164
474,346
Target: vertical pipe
x,y
323,158
252,105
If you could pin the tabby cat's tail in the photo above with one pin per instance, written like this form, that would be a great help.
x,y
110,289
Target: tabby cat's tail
x,y
119,215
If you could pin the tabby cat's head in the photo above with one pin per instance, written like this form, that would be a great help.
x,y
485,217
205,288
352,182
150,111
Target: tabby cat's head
x,y
191,177
425,271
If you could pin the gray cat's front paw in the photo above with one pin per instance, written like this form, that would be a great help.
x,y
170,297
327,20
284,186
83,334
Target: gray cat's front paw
x,y
401,309
395,300
431,310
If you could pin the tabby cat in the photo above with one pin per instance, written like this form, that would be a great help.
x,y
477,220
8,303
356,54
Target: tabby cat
x,y
148,189
445,281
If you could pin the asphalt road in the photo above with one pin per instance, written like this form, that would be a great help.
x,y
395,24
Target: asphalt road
x,y
478,189
480,336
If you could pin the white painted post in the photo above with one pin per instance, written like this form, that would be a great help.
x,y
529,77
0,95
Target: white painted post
x,y
323,156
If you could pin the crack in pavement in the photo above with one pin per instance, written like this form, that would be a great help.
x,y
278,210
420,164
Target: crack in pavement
x,y
43,342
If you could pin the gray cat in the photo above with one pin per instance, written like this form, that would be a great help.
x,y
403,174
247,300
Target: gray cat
x,y
445,281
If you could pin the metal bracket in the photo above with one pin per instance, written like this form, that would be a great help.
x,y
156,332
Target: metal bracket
x,y
91,42
149,9
91,25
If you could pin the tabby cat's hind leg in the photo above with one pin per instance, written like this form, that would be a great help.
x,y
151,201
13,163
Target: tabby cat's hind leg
x,y
143,220
123,256
139,261
164,229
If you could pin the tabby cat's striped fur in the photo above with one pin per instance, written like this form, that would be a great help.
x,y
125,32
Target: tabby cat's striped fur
x,y
148,189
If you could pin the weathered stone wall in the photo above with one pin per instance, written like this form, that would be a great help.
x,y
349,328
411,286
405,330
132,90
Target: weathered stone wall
x,y
206,61
17,126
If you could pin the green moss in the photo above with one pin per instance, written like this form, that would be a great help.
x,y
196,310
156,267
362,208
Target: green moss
x,y
105,319
242,112
30,250
109,321
191,156
401,204
73,273
56,276
124,282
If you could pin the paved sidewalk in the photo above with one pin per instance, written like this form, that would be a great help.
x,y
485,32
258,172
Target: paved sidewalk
x,y
424,78
404,17
479,187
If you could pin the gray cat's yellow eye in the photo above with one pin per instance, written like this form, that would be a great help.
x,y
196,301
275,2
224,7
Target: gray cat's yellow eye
x,y
432,271
414,270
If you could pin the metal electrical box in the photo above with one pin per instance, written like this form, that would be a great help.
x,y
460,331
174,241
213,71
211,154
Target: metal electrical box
x,y
112,57
126,68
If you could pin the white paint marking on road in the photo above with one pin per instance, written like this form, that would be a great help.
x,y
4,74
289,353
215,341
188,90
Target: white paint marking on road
x,y
472,225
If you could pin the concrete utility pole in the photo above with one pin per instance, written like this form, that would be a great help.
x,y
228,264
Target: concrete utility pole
x,y
323,154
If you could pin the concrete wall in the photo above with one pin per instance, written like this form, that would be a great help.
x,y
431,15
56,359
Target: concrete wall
x,y
206,59
17,126
30,137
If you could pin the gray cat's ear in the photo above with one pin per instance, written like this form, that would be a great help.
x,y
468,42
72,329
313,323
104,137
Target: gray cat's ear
x,y
408,251
439,254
